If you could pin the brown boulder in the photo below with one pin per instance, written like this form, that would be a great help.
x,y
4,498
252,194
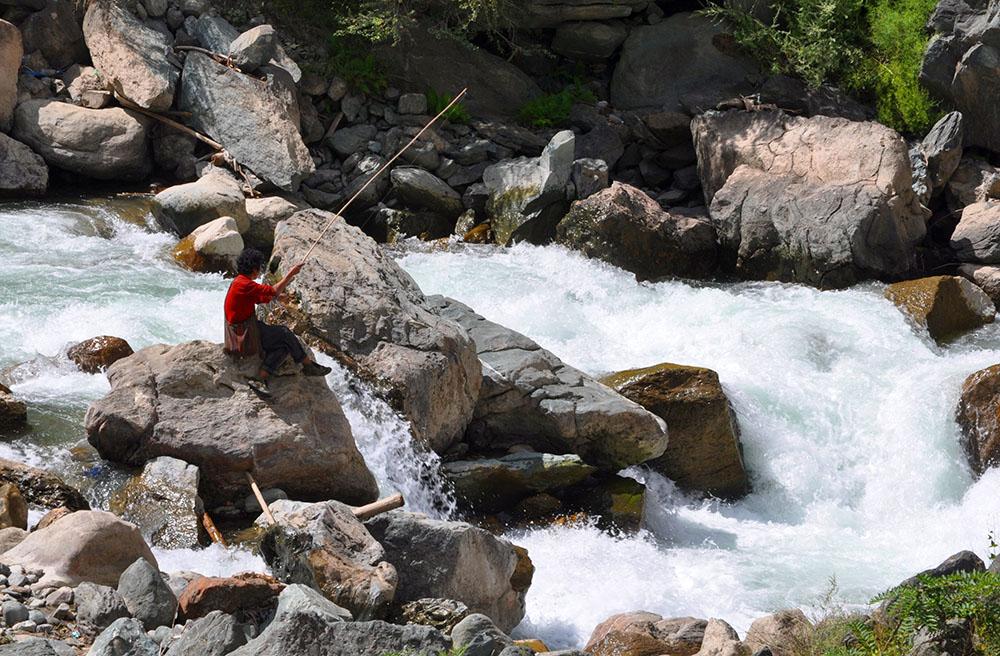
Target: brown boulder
x,y
40,487
623,226
242,595
978,415
51,517
646,634
704,451
87,545
784,632
13,413
946,306
96,354
13,508
10,537
11,52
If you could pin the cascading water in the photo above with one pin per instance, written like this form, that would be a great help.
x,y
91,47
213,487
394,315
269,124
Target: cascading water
x,y
846,414
847,426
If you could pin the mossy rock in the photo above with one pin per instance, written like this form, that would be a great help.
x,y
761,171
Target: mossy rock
x,y
703,453
946,306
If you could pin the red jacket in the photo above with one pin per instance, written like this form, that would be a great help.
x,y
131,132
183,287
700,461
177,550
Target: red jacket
x,y
243,295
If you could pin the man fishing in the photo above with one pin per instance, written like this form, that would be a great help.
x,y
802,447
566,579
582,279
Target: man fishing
x,y
246,336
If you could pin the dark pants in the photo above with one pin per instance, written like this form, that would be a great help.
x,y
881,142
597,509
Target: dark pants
x,y
278,342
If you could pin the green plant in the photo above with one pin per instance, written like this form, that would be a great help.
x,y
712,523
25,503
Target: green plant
x,y
437,102
361,71
386,20
871,49
552,109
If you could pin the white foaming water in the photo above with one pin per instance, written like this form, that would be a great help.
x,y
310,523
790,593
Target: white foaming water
x,y
70,272
847,426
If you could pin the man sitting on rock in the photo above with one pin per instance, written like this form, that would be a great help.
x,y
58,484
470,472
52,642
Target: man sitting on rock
x,y
246,336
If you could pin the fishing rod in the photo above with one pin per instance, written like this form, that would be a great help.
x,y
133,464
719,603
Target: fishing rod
x,y
381,170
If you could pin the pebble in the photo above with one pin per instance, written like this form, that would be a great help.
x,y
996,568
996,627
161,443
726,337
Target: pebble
x,y
17,580
38,617
62,595
63,612
27,626
36,603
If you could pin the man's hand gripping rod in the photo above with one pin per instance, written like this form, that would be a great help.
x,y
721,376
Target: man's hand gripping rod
x,y
381,170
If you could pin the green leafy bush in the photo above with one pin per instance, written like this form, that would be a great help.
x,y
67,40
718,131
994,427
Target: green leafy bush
x,y
552,109
437,102
353,64
871,49
386,20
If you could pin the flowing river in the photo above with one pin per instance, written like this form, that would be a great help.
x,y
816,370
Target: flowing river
x,y
846,413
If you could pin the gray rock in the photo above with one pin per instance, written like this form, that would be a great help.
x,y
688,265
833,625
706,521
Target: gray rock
x,y
10,537
22,172
977,236
720,639
98,605
963,561
589,177
131,56
529,396
55,32
125,637
589,41
413,103
147,596
986,278
173,153
494,484
551,13
37,647
11,52
942,149
325,547
689,64
248,118
358,301
156,8
14,612
849,215
455,560
428,61
308,633
347,141
527,195
184,207
106,144
216,634
254,48
265,214
623,226
163,502
974,181
477,635
418,188
297,598
214,33
38,617
192,399
442,614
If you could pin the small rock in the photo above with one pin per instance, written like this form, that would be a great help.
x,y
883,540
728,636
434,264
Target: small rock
x,y
254,48
125,637
146,595
13,413
442,614
216,634
781,632
477,635
14,612
27,626
63,595
99,605
96,354
38,617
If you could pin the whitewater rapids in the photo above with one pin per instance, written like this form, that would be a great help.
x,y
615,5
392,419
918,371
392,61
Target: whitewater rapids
x,y
846,414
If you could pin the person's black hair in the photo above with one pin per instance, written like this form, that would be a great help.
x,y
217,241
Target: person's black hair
x,y
250,260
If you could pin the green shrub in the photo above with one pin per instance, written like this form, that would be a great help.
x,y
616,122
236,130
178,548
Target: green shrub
x,y
871,49
552,109
437,102
352,63
386,20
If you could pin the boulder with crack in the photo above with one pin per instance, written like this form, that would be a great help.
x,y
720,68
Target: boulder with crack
x,y
358,304
191,401
529,396
820,200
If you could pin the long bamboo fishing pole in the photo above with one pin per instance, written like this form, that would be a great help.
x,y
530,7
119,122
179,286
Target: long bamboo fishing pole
x,y
381,170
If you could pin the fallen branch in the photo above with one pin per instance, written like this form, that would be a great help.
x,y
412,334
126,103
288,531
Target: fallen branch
x,y
128,104
379,507
260,498
225,60
211,529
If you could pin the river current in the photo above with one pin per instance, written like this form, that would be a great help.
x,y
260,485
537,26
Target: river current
x,y
846,414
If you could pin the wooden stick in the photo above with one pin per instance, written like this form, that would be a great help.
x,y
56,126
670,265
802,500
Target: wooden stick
x,y
382,170
127,104
379,507
225,60
213,532
260,498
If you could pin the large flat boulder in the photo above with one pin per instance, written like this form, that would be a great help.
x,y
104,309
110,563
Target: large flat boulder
x,y
455,560
325,547
191,402
623,226
106,144
251,118
11,52
820,200
357,302
130,56
424,60
704,453
87,545
690,68
22,172
529,396
978,415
